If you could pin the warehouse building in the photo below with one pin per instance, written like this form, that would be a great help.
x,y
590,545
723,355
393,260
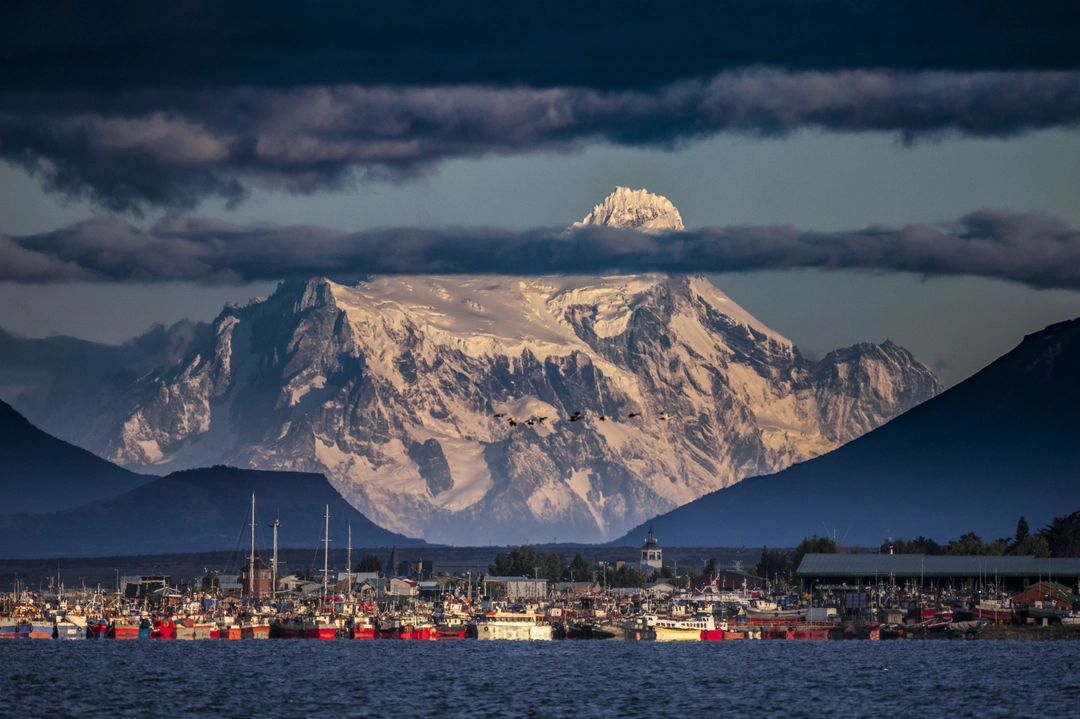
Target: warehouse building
x,y
1014,573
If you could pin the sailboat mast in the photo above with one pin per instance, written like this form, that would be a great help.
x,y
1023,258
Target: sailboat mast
x,y
251,561
273,573
348,565
326,554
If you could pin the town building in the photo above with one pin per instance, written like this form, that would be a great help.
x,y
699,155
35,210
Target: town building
x,y
260,583
515,588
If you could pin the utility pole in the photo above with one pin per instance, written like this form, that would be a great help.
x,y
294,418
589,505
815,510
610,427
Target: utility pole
x,y
274,565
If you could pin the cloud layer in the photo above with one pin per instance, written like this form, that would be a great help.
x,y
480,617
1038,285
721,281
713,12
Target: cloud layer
x,y
1028,248
172,148
115,44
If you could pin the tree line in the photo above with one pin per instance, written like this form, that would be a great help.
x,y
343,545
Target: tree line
x,y
1060,538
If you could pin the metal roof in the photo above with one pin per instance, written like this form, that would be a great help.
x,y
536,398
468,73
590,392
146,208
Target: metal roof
x,y
914,565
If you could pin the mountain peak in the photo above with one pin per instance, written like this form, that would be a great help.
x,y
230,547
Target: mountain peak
x,y
635,210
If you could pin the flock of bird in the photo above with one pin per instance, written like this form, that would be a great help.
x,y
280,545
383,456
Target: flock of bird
x,y
575,417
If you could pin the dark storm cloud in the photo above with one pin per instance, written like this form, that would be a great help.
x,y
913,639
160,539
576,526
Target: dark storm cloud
x,y
172,148
115,44
1028,248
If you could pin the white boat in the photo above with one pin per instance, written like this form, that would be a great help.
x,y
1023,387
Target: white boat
x,y
685,629
508,625
763,609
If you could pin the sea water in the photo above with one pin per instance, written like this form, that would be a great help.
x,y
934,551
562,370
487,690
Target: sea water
x,y
299,678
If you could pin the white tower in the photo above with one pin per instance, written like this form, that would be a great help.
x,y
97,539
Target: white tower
x,y
652,557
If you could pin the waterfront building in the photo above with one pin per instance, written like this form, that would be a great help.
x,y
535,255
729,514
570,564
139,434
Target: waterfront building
x,y
515,588
652,557
258,584
1013,572
1049,593
137,586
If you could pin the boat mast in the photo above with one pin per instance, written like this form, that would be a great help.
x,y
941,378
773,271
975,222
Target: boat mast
x,y
326,556
251,561
273,569
348,565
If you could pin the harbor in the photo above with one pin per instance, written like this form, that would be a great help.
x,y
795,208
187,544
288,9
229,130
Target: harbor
x,y
833,597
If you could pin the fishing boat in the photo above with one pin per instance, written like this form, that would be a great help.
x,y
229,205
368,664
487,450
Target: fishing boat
x,y
451,621
191,628
1046,610
123,628
230,631
995,610
97,628
509,625
406,626
363,627
634,629
15,628
163,629
671,629
762,611
68,630
255,628
287,628
322,628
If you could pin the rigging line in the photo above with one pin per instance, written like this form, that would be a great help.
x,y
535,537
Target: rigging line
x,y
236,547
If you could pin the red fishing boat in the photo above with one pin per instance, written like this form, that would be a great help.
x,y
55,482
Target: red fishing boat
x,y
123,628
255,630
363,628
163,629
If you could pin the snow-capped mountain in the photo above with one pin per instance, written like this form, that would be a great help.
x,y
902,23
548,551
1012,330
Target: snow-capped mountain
x,y
392,387
444,407
635,210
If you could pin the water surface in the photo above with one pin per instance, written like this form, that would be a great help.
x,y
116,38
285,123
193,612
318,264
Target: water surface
x,y
549,679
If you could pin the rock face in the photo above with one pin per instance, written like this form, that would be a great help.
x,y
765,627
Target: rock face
x,y
393,388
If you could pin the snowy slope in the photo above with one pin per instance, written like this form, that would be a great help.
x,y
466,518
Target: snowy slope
x,y
392,387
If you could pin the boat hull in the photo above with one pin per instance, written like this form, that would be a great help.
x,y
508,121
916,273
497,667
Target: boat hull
x,y
255,631
489,631
68,631
123,632
665,634
993,615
